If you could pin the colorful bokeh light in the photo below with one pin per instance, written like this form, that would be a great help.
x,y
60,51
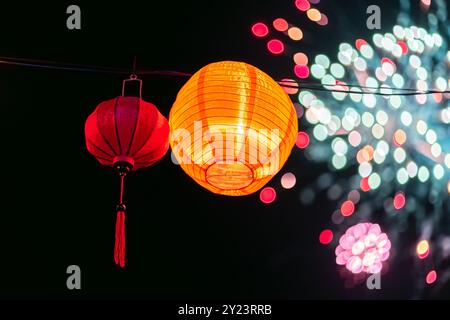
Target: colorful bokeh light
x,y
347,208
323,19
275,46
267,195
302,5
393,140
363,248
260,30
280,24
301,71
313,14
423,249
301,59
431,277
399,200
302,141
288,180
326,236
295,33
290,86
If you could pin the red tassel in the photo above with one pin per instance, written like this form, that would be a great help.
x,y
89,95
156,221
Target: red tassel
x,y
119,247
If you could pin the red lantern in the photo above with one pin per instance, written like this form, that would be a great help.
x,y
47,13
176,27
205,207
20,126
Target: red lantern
x,y
127,134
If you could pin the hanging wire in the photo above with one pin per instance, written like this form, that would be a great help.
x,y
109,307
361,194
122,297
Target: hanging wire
x,y
45,64
313,86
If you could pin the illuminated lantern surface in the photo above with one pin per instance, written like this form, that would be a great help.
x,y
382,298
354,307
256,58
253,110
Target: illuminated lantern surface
x,y
127,130
232,128
126,133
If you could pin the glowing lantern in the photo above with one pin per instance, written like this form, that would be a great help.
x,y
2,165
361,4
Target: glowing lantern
x,y
127,134
232,128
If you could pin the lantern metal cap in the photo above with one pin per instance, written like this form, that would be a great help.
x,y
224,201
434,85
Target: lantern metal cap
x,y
123,164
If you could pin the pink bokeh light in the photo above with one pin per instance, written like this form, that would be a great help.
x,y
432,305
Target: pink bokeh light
x,y
302,5
280,24
267,195
275,46
302,141
301,71
363,248
347,208
289,86
399,200
431,277
326,236
260,30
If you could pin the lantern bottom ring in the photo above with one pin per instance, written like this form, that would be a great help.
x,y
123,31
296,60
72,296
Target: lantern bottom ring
x,y
121,163
229,175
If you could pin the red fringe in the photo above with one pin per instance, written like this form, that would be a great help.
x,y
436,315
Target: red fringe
x,y
119,247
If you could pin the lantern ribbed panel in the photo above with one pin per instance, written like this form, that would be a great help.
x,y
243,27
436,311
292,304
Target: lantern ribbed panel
x,y
127,129
232,128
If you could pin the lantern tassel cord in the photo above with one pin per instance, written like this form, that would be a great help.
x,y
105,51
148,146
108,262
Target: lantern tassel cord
x,y
119,247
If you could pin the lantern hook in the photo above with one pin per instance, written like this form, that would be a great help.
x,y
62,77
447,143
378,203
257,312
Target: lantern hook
x,y
133,77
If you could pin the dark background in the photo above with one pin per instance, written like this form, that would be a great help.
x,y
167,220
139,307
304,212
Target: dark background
x,y
182,241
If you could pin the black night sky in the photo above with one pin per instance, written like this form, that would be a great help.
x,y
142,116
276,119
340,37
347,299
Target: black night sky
x,y
183,242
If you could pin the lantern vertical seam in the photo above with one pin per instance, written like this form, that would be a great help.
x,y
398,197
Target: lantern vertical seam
x,y
292,124
100,128
289,129
252,75
99,149
116,127
203,115
134,127
148,137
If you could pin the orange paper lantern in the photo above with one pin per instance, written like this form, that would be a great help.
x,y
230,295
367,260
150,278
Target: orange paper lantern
x,y
232,128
